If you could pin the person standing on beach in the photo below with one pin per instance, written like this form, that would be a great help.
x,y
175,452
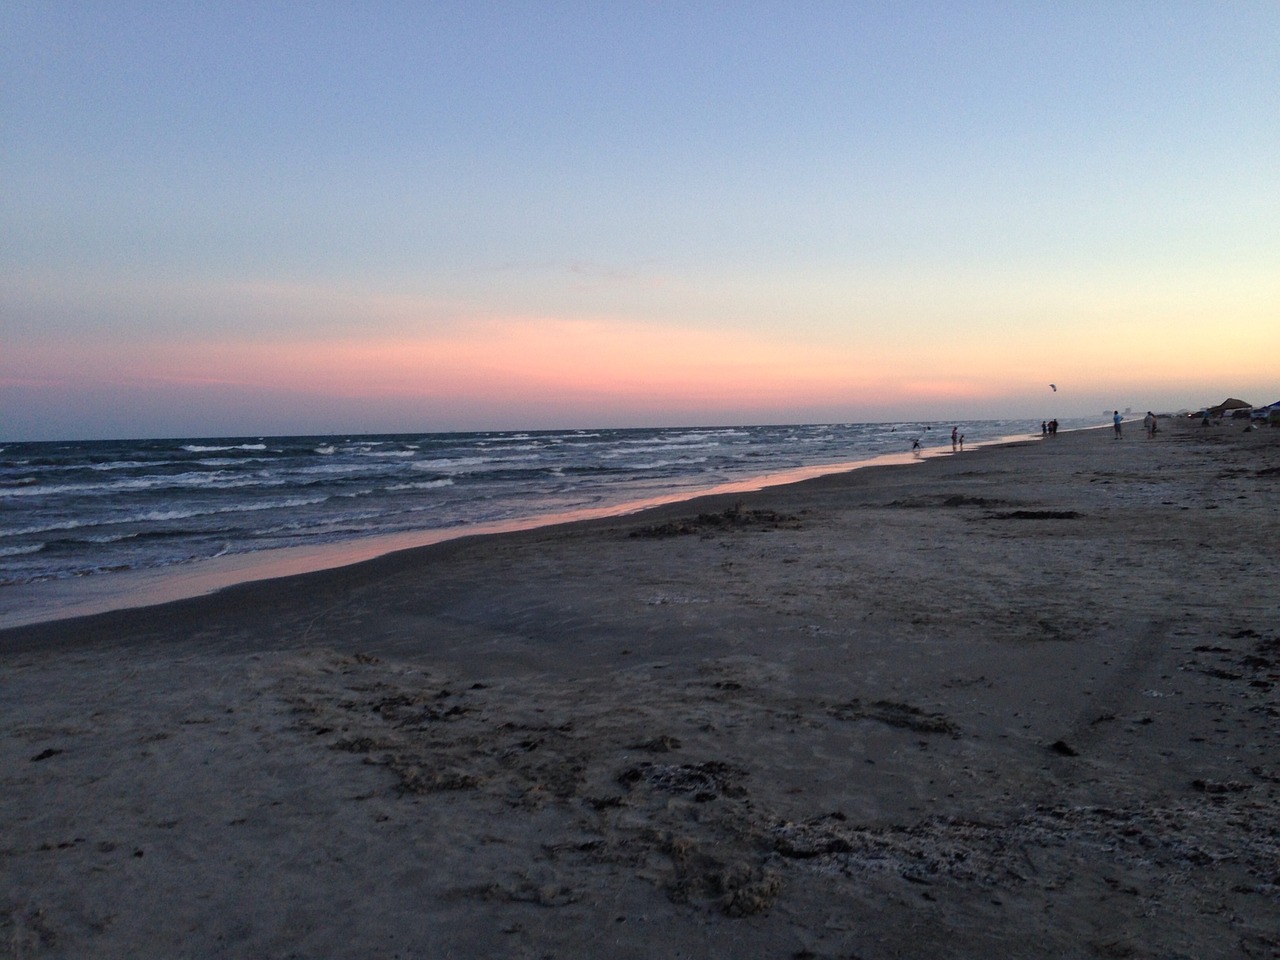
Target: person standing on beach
x,y
954,435
1149,424
1116,420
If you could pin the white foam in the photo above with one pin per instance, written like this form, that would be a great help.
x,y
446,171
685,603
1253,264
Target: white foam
x,y
20,551
163,515
425,485
196,448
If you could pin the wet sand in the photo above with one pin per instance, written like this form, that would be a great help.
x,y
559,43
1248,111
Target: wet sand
x,y
1018,702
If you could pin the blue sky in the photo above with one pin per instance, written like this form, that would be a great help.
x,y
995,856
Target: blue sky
x,y
280,218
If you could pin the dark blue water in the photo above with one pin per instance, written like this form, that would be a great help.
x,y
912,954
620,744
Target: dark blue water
x,y
86,508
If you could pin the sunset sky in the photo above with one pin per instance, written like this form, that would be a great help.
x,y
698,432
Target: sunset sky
x,y
228,219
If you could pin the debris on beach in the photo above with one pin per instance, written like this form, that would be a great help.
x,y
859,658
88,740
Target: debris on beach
x,y
732,518
895,715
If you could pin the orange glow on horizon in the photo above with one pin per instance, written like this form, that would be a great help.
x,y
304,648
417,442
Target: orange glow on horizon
x,y
507,360
589,369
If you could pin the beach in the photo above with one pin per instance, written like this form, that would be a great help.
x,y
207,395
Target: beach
x,y
1015,702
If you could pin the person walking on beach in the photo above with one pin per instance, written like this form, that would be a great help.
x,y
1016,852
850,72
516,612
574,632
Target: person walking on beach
x,y
954,435
1149,424
1116,420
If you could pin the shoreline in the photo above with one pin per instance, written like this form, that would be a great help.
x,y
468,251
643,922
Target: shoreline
x,y
50,601
1019,703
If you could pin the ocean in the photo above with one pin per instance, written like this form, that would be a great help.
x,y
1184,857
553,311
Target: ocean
x,y
94,509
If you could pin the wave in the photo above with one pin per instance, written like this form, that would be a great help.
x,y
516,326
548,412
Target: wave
x,y
655,445
197,448
218,480
22,550
425,485
50,528
229,461
135,464
454,463
160,516
659,464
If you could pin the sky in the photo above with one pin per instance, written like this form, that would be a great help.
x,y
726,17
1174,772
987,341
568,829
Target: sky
x,y
258,218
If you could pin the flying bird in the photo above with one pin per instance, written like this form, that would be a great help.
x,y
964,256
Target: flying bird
x,y
1054,386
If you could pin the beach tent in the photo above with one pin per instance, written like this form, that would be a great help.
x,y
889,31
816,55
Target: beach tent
x,y
1228,407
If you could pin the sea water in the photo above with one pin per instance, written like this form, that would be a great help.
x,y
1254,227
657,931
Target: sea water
x,y
97,508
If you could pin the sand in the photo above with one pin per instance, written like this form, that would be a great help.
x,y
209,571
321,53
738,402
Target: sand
x,y
1018,702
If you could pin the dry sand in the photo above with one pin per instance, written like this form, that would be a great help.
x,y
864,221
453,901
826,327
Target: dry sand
x,y
1019,702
